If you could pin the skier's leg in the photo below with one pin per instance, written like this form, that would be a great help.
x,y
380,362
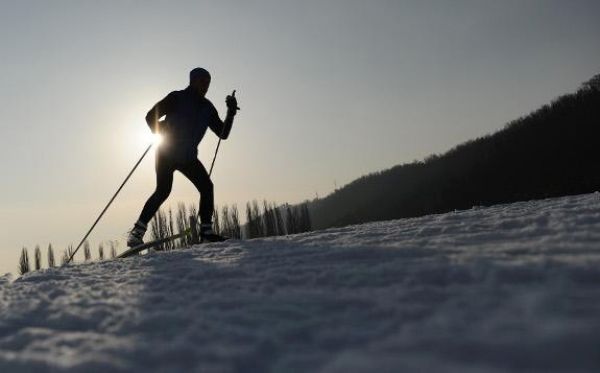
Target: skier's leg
x,y
197,174
164,183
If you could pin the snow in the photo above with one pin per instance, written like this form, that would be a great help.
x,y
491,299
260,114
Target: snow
x,y
507,288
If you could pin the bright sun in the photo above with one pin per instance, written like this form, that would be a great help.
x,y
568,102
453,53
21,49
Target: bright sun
x,y
155,138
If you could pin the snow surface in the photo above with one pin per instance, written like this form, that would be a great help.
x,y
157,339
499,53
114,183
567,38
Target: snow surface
x,y
507,288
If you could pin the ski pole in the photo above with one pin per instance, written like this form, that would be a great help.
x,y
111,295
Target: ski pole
x,y
219,144
109,203
215,156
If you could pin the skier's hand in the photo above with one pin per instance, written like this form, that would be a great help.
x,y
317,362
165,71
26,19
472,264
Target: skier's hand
x,y
231,102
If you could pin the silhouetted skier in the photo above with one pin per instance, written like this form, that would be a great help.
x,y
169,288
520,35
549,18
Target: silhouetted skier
x,y
188,114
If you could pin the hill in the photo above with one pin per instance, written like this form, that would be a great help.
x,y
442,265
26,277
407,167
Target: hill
x,y
553,151
507,288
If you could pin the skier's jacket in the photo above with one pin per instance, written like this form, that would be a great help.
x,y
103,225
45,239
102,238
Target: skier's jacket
x,y
187,117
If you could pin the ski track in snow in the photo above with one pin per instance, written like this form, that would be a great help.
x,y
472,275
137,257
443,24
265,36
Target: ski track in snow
x,y
506,288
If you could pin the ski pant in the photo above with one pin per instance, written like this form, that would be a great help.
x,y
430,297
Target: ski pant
x,y
194,171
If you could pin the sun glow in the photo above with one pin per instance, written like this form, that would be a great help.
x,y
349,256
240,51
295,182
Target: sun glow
x,y
155,138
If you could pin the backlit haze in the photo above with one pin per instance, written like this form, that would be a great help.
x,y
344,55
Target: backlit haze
x,y
328,90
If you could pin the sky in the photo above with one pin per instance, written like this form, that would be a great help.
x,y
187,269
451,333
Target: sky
x,y
329,90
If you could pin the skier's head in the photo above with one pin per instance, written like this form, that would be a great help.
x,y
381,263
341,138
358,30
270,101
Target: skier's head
x,y
200,80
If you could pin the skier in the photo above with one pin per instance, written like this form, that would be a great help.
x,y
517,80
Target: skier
x,y
188,114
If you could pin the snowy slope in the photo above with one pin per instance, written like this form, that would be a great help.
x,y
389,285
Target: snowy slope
x,y
507,288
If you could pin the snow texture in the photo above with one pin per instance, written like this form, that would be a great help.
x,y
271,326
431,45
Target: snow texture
x,y
506,288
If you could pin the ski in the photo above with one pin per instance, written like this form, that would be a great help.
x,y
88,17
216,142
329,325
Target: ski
x,y
136,249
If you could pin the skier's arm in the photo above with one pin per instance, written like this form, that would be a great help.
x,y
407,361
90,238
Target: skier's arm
x,y
219,127
161,108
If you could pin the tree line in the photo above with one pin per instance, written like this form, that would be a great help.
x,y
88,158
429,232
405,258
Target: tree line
x,y
551,152
268,219
51,261
276,220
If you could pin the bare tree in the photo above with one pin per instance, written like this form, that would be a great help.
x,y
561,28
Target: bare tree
x,y
101,251
113,249
260,229
37,258
24,262
249,230
268,220
281,229
87,252
306,220
51,262
171,229
225,221
192,209
290,220
254,225
182,221
216,222
66,255
236,231
160,228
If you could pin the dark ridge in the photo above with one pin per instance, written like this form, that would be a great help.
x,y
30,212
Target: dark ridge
x,y
553,151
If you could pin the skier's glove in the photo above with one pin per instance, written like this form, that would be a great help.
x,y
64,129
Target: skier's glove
x,y
231,102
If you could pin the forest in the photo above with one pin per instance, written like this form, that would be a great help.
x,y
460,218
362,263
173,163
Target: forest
x,y
551,152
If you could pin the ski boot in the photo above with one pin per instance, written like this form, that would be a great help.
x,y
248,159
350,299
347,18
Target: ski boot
x,y
208,235
136,235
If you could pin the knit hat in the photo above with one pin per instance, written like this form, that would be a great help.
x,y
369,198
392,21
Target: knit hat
x,y
199,72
